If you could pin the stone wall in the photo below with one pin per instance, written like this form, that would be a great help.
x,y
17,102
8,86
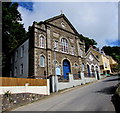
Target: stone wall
x,y
10,101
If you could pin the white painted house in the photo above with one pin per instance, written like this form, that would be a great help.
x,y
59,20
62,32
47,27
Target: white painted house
x,y
19,61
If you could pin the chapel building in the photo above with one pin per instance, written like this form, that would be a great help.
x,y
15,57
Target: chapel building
x,y
53,48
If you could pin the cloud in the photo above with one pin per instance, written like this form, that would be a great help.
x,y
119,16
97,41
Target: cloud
x,y
114,43
27,5
96,20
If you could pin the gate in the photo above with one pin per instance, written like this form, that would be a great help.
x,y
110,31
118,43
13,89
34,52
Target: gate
x,y
50,79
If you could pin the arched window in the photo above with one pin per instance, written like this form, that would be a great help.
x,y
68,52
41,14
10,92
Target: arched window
x,y
42,42
80,52
64,44
93,71
83,67
42,61
96,68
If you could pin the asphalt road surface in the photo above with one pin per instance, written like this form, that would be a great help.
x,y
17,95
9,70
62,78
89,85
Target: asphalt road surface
x,y
92,97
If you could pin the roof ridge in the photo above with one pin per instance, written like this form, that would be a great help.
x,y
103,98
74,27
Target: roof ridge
x,y
59,16
55,17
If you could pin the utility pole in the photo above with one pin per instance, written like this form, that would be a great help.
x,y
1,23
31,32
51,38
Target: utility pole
x,y
55,70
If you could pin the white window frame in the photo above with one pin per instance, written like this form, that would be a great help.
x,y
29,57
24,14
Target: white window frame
x,y
65,45
106,65
21,69
42,41
72,50
22,51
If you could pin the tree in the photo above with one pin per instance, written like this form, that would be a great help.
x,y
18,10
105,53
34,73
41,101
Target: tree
x,y
112,51
88,42
13,32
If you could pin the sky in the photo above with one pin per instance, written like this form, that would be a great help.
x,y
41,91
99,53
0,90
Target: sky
x,y
96,20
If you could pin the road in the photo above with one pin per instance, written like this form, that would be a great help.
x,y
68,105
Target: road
x,y
93,97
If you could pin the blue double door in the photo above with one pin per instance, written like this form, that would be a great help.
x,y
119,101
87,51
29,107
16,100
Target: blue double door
x,y
66,68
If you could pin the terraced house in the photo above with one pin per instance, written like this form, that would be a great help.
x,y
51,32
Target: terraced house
x,y
53,48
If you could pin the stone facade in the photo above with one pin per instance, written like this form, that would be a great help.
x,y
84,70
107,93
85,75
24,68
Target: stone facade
x,y
11,101
53,48
53,42
92,63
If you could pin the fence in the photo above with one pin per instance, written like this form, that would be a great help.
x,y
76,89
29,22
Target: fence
x,y
22,81
59,85
76,76
74,80
24,85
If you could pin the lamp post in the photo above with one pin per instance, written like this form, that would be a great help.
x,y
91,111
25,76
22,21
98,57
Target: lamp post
x,y
55,80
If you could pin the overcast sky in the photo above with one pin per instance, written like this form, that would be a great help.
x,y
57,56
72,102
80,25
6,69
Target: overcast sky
x,y
96,20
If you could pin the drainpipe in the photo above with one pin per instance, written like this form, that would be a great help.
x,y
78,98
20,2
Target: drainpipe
x,y
46,52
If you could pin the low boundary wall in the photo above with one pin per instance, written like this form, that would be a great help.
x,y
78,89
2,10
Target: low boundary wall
x,y
88,79
56,85
27,88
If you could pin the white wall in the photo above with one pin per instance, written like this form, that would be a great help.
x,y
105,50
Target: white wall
x,y
88,79
21,60
26,89
71,83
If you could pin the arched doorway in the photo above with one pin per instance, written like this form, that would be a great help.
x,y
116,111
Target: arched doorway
x,y
88,68
93,71
66,68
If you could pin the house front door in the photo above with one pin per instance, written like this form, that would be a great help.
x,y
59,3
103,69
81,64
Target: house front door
x,y
66,68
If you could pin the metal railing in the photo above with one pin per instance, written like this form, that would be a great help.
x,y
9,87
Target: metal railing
x,y
76,76
92,75
62,79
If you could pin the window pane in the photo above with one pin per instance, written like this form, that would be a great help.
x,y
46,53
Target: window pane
x,y
42,61
80,52
82,67
64,44
42,42
22,51
72,49
56,45
21,69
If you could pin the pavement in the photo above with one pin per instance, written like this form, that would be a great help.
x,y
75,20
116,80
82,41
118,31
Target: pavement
x,y
92,97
